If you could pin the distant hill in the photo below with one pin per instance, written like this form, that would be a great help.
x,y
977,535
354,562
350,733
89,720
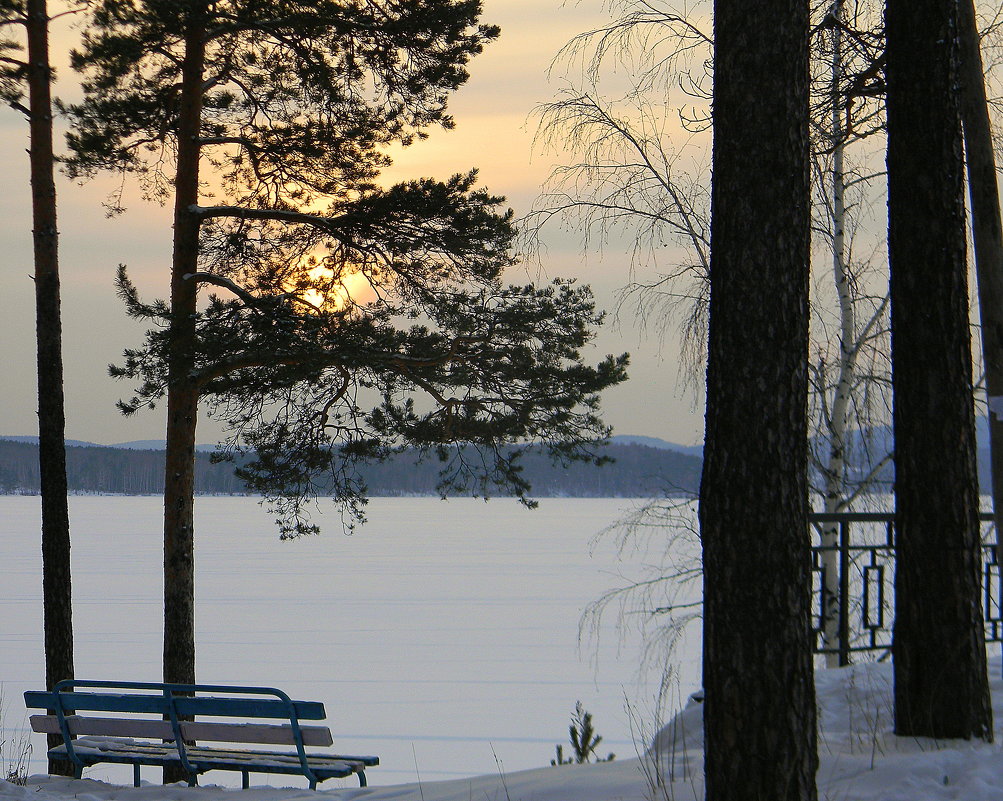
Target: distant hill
x,y
643,467
70,443
155,445
880,440
140,445
637,471
134,445
651,442
98,469
129,469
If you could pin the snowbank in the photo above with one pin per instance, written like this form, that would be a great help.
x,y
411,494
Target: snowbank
x,y
860,760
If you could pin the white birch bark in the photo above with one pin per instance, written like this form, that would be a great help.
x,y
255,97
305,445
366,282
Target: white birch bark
x,y
835,469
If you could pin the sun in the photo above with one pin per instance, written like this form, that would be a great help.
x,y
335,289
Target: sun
x,y
328,291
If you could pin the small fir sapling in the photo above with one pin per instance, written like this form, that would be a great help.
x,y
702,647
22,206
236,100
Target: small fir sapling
x,y
584,740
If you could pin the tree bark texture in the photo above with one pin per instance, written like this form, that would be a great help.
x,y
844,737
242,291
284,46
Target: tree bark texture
x,y
986,234
56,589
182,395
941,686
759,714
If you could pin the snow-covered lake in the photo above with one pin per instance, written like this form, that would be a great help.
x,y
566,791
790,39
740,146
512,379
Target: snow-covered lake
x,y
441,636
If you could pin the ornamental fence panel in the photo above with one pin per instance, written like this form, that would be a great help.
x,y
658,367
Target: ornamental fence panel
x,y
864,545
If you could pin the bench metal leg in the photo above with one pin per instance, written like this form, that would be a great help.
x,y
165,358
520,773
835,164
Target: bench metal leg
x,y
362,778
135,775
245,779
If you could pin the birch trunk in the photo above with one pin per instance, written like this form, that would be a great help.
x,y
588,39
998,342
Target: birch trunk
x,y
835,472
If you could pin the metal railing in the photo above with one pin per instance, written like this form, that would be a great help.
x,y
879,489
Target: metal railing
x,y
865,548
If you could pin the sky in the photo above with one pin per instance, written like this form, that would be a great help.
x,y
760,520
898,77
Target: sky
x,y
494,132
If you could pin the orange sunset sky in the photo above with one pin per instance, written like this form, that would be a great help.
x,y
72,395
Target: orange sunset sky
x,y
494,133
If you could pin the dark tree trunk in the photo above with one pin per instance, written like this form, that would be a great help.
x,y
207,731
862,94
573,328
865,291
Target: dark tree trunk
x,y
987,236
759,714
941,686
56,592
182,394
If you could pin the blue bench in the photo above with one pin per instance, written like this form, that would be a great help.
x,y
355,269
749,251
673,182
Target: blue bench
x,y
170,738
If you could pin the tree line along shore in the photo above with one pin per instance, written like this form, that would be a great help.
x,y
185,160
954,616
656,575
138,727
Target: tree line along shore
x,y
636,471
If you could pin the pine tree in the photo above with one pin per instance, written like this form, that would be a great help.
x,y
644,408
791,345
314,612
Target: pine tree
x,y
350,319
35,74
759,713
938,549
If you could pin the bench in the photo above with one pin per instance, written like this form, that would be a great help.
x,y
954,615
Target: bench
x,y
169,739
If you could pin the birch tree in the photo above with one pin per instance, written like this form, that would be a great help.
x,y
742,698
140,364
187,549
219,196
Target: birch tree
x,y
849,370
640,170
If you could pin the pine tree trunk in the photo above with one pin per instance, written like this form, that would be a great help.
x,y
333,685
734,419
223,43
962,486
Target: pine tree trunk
x,y
759,714
941,686
182,396
56,591
987,236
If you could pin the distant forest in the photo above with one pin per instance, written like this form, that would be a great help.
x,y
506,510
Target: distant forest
x,y
637,471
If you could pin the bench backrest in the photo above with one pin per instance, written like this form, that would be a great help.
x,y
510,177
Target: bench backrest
x,y
176,700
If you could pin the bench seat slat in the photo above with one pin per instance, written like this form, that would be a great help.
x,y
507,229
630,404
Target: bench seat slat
x,y
203,759
279,756
158,705
257,733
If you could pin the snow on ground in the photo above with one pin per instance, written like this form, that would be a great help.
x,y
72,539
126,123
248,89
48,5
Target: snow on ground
x,y
861,760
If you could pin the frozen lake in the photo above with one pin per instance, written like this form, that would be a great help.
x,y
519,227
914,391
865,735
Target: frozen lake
x,y
440,635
